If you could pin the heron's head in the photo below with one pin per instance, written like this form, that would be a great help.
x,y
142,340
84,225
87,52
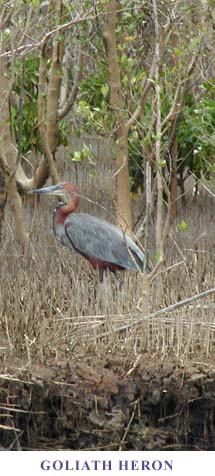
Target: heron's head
x,y
62,188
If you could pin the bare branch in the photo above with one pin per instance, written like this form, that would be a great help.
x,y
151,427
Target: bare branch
x,y
138,322
175,109
179,95
24,49
148,83
72,96
5,17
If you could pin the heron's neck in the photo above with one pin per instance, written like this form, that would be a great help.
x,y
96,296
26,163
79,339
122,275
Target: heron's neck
x,y
63,211
71,206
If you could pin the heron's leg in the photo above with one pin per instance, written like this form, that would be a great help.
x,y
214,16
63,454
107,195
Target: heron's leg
x,y
104,287
101,290
118,281
105,298
102,275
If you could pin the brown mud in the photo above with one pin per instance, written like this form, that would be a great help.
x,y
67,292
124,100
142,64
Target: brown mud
x,y
111,403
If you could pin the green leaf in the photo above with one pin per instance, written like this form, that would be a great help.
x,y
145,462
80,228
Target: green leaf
x,y
85,151
183,225
157,257
105,90
76,156
177,51
161,163
124,59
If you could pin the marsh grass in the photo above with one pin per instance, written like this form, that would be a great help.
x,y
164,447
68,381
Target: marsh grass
x,y
51,307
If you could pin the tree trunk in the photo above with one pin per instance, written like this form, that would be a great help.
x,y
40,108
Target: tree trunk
x,y
159,222
54,87
3,194
116,102
145,305
148,210
123,180
173,178
173,146
9,155
42,116
49,129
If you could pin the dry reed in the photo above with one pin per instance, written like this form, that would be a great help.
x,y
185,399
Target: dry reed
x,y
50,306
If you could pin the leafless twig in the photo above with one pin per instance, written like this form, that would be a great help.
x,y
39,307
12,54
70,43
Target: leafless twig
x,y
165,310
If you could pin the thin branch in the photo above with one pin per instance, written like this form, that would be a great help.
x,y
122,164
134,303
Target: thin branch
x,y
19,410
175,109
4,167
128,426
66,26
45,39
72,96
137,323
148,83
179,96
169,268
4,20
5,427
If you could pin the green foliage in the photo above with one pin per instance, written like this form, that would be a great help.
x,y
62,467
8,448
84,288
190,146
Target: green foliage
x,y
30,117
80,155
31,138
135,161
93,108
95,87
196,135
63,132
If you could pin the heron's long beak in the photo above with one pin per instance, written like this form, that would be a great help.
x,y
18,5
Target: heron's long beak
x,y
52,190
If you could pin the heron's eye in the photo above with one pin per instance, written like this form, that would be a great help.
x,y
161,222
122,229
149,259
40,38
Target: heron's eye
x,y
59,205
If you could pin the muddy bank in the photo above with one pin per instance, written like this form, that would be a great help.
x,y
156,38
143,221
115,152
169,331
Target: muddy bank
x,y
109,403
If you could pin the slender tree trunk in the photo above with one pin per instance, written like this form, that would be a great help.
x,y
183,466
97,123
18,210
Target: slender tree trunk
x,y
123,180
48,119
173,146
173,178
159,222
54,86
9,156
116,102
3,194
42,119
148,198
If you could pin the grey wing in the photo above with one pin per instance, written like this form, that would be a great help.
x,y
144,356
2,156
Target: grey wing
x,y
101,240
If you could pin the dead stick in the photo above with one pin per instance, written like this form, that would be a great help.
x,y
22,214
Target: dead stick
x,y
165,310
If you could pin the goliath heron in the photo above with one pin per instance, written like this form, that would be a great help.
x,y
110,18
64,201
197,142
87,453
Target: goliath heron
x,y
103,244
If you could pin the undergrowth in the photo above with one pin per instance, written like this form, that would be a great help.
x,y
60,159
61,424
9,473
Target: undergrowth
x,y
52,305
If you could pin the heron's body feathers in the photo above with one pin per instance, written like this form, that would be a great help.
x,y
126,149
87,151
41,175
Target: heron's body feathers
x,y
100,241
